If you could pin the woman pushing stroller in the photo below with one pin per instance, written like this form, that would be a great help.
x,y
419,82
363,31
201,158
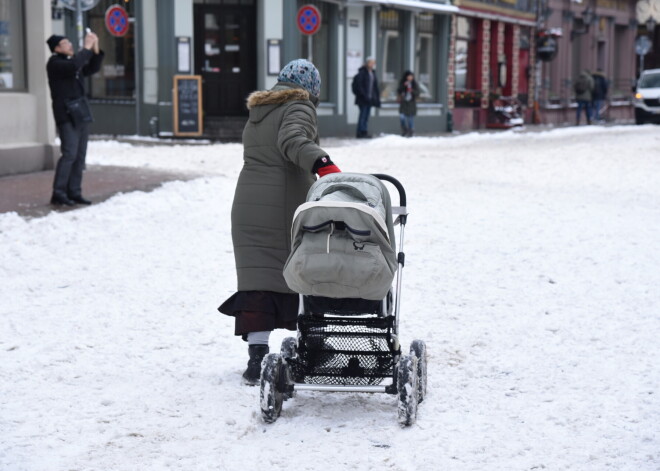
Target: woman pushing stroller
x,y
281,154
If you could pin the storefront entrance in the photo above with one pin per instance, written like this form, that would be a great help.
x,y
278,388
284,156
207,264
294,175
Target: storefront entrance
x,y
226,57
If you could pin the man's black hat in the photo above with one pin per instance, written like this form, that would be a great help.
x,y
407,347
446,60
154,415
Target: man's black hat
x,y
53,41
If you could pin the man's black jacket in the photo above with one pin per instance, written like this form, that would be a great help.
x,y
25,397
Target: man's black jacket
x,y
361,97
65,77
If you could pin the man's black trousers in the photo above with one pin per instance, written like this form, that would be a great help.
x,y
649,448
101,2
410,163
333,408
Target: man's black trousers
x,y
69,171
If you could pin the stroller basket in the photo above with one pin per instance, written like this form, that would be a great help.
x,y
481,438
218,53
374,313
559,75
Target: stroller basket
x,y
340,350
344,306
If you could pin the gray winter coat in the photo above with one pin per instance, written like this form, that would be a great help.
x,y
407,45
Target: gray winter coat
x,y
280,143
585,94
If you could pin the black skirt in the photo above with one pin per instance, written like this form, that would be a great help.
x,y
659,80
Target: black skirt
x,y
257,311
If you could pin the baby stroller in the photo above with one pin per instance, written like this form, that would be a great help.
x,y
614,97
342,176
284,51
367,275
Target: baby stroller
x,y
343,261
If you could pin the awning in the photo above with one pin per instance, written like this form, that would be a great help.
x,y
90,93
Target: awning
x,y
495,17
413,5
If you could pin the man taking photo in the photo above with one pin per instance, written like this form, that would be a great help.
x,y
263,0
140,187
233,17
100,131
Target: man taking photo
x,y
71,110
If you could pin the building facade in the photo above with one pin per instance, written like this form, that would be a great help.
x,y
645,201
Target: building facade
x,y
491,60
237,46
27,128
595,35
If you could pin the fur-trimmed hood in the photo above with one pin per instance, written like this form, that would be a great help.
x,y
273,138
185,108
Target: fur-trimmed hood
x,y
276,97
261,103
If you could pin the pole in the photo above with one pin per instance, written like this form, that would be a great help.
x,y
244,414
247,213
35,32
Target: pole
x,y
138,75
309,48
79,23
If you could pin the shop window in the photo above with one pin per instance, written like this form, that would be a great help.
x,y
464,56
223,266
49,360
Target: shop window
x,y
320,47
425,54
466,93
12,46
391,23
116,79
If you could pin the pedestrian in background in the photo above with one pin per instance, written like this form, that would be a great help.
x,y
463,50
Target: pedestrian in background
x,y
583,88
367,95
407,94
599,94
281,155
66,72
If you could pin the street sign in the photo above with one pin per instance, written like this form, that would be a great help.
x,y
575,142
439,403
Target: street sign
x,y
309,20
116,20
642,45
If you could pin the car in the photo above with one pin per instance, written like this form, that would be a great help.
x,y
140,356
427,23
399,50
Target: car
x,y
647,97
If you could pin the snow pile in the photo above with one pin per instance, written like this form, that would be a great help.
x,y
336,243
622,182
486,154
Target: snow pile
x,y
532,275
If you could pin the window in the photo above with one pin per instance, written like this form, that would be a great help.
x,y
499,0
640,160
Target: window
x,y
466,92
320,47
425,54
12,46
392,43
116,79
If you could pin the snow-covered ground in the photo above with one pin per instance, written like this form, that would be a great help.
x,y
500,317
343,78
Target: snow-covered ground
x,y
533,274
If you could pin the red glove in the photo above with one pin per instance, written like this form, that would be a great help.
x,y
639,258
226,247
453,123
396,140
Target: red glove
x,y
323,171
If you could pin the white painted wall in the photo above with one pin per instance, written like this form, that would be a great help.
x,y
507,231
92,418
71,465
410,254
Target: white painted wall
x,y
149,55
184,25
355,57
269,26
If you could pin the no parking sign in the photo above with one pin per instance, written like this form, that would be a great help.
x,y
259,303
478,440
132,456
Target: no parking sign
x,y
116,20
309,20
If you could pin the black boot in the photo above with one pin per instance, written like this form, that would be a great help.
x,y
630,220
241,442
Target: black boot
x,y
404,131
253,372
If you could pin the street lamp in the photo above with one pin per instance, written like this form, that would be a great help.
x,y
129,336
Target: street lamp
x,y
588,17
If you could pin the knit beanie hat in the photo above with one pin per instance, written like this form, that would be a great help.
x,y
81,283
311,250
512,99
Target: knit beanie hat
x,y
53,41
303,73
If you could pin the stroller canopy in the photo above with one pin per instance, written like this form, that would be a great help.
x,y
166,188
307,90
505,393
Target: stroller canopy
x,y
343,239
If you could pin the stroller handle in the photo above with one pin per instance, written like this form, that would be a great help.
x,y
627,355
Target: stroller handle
x,y
396,183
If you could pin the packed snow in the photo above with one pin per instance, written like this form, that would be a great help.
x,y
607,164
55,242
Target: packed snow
x,y
532,274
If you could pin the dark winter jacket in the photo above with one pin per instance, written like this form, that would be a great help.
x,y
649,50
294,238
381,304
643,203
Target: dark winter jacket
x,y
408,99
65,78
600,86
281,147
364,96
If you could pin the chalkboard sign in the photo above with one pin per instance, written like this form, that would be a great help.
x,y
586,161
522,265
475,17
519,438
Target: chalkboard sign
x,y
188,105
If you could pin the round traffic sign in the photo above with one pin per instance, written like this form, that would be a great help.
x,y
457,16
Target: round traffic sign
x,y
116,20
309,20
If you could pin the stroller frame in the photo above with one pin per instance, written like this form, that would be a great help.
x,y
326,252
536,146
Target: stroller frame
x,y
341,349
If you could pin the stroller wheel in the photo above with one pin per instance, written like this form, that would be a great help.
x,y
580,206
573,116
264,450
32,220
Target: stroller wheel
x,y
273,375
289,348
418,348
407,389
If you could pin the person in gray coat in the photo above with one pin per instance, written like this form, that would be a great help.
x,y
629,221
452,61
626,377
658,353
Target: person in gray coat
x,y
583,87
281,154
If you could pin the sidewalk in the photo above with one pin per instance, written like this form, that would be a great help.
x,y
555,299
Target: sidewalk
x,y
29,194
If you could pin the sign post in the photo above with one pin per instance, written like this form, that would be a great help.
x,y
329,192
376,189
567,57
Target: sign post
x,y
309,23
642,47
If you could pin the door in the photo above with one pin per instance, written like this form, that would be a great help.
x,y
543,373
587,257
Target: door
x,y
226,57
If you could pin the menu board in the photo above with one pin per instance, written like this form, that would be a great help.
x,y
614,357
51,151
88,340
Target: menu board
x,y
188,105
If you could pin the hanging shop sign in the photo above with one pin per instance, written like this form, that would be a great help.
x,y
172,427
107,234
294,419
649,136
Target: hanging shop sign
x,y
547,45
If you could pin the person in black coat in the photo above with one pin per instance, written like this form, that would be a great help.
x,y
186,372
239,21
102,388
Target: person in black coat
x,y
599,94
367,95
65,78
407,94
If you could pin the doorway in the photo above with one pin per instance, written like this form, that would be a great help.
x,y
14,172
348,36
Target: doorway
x,y
226,57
